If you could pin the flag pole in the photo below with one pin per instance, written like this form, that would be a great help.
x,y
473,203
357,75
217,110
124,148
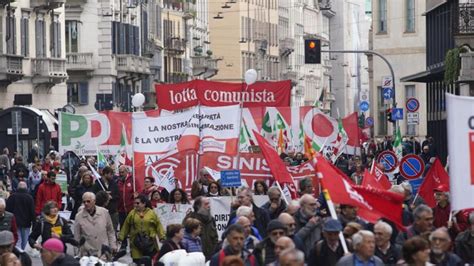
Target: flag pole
x,y
332,211
282,193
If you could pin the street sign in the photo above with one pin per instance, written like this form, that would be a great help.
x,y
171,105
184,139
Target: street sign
x,y
387,82
230,178
364,95
364,106
411,166
413,118
388,93
397,113
412,105
415,185
388,159
369,121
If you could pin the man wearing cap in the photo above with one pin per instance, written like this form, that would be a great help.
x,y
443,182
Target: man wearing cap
x,y
442,209
265,251
7,244
52,254
328,250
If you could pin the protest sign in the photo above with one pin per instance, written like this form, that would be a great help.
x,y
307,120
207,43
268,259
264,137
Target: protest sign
x,y
220,210
172,213
61,180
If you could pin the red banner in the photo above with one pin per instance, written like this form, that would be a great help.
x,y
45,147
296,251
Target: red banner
x,y
210,93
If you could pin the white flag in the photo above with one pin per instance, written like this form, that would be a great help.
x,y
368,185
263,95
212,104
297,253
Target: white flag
x,y
460,124
216,175
166,181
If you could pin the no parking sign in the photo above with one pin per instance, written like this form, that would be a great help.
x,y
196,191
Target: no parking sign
x,y
388,159
411,166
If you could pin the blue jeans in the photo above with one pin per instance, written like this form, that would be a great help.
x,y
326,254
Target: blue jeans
x,y
23,234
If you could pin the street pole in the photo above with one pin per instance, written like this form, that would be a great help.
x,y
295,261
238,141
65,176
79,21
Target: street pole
x,y
367,52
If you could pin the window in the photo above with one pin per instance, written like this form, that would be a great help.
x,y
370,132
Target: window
x,y
382,16
125,38
55,37
40,36
25,46
10,34
78,93
72,36
410,18
410,93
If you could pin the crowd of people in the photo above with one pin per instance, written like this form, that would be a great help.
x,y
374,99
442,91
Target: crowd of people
x,y
109,218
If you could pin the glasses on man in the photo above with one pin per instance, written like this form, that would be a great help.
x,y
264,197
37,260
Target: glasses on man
x,y
137,202
86,201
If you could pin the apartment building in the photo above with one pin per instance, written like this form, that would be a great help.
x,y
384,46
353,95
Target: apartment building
x,y
32,54
398,33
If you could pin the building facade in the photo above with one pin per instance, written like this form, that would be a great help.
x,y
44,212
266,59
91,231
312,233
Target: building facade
x,y
398,33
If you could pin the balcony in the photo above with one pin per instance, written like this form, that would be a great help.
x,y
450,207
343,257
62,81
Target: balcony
x,y
328,96
326,7
79,62
464,24
212,68
48,72
175,45
287,46
199,65
177,77
5,2
46,4
11,68
291,75
132,64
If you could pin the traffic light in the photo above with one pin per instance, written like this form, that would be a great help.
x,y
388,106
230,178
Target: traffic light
x,y
312,51
389,115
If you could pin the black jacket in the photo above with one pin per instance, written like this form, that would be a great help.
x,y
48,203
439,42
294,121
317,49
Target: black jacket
x,y
262,218
264,252
22,205
277,212
22,256
464,246
114,192
208,235
394,253
65,260
321,254
43,229
78,192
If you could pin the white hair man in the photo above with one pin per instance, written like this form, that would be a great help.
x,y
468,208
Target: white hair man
x,y
291,257
423,223
290,223
363,243
308,224
250,241
95,225
442,209
440,248
387,252
244,211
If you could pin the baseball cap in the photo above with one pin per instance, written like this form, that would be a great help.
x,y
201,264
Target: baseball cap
x,y
6,238
442,188
332,225
54,244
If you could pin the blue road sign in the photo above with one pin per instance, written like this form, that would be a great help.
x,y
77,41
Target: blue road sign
x,y
411,166
397,113
230,178
415,185
412,105
388,159
369,121
388,93
364,106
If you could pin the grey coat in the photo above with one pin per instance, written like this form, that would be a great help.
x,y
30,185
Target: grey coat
x,y
348,260
309,233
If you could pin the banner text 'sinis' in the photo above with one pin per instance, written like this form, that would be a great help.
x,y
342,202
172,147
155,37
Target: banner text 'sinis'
x,y
210,93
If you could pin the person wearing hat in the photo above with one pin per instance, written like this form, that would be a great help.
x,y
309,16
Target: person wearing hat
x,y
264,252
442,209
328,250
7,244
52,254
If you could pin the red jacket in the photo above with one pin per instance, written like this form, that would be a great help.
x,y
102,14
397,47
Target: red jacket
x,y
441,215
126,194
47,192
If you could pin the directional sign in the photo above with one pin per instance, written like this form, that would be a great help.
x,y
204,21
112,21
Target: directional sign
x,y
415,185
397,113
411,166
388,159
413,119
388,93
364,106
230,178
412,105
369,121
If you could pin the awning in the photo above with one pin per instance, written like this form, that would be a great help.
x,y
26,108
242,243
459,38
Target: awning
x,y
432,5
47,117
425,76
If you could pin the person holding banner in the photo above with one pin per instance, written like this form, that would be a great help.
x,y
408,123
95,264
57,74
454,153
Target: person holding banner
x,y
149,186
107,184
201,185
126,192
178,196
214,189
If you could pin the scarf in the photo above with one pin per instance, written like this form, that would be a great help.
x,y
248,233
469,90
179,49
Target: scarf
x,y
51,220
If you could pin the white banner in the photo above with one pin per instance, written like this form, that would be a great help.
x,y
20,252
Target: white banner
x,y
220,129
460,124
172,213
220,210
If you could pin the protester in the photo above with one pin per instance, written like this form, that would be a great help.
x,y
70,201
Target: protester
x,y
260,187
155,198
7,220
308,224
306,186
423,223
174,236
34,178
265,250
86,185
53,253
9,259
235,239
107,183
293,207
276,205
291,257
191,241
250,241
440,249
93,223
214,189
21,205
290,224
329,250
5,161
351,229
208,236
349,214
389,253
363,243
244,211
47,191
7,244
178,196
442,210
126,194
200,186
464,244
416,251
143,227
283,243
149,186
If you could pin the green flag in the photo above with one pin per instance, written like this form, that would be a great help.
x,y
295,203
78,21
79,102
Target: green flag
x,y
397,144
267,125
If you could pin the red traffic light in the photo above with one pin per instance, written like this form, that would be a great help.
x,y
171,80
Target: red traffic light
x,y
312,44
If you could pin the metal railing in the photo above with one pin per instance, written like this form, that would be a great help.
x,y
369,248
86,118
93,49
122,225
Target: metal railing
x,y
11,64
212,64
199,61
464,18
175,44
132,63
79,61
49,67
47,3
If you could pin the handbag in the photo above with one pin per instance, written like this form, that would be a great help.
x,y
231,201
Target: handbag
x,y
143,241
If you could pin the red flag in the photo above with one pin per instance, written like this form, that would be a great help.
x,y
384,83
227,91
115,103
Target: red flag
x,y
351,126
435,177
377,180
275,163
